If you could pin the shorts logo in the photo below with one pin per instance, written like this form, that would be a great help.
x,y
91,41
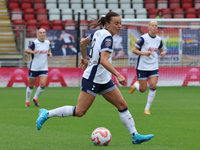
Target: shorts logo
x,y
93,87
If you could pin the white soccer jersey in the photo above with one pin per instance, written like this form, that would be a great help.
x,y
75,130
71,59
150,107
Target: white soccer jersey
x,y
66,37
39,60
101,41
152,44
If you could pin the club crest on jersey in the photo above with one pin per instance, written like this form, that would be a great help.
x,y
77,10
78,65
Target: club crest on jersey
x,y
108,42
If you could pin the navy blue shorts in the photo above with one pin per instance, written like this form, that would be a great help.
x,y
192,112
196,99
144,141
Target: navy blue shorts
x,y
35,74
95,88
143,75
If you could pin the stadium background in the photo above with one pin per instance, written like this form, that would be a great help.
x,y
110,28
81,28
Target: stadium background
x,y
20,19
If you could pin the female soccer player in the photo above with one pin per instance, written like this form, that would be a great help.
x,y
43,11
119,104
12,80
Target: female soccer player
x,y
39,49
97,80
147,65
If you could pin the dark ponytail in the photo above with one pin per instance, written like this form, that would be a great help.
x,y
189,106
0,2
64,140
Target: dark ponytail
x,y
104,18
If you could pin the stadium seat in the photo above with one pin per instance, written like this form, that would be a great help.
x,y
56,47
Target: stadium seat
x,y
57,27
173,4
26,4
88,6
63,1
125,6
112,6
127,16
57,23
178,13
69,24
45,27
197,4
167,12
129,12
83,24
45,24
190,13
100,6
16,28
63,6
137,6
16,13
162,4
184,25
88,1
31,31
103,11
12,5
29,13
141,13
117,10
93,22
54,14
37,4
76,6
32,22
82,14
67,14
76,1
19,22
51,6
41,14
186,5
153,12
149,4
92,14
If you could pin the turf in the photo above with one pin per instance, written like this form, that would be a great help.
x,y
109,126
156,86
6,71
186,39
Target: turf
x,y
174,120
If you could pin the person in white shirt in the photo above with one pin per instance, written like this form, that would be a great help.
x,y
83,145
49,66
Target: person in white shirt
x,y
39,49
97,80
118,50
68,42
147,65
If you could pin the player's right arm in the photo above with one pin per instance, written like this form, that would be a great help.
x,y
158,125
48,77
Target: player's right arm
x,y
139,45
31,49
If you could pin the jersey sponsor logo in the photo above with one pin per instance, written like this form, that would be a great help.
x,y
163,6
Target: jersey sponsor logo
x,y
151,49
43,52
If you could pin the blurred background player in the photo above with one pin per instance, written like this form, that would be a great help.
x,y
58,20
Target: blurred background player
x,y
97,80
147,65
39,49
68,43
118,50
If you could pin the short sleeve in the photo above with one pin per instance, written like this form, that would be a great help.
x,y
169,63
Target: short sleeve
x,y
107,43
140,42
31,46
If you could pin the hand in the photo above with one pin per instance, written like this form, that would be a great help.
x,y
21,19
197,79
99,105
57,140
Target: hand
x,y
35,51
50,54
121,79
162,54
147,54
83,64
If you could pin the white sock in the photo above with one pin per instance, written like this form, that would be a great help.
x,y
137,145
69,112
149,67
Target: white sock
x,y
74,49
150,98
137,86
64,51
28,93
38,92
64,111
128,121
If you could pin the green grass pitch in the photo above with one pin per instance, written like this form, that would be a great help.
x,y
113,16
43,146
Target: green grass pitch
x,y
174,120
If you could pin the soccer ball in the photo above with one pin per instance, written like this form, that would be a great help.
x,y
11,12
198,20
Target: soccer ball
x,y
101,136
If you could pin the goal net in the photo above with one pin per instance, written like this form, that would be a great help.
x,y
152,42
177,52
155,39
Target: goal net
x,y
181,40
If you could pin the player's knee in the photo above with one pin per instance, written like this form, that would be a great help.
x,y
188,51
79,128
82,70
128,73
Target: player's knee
x,y
153,86
142,90
123,105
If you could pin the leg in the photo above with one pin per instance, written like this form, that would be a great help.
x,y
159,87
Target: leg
x,y
114,97
29,90
151,95
85,100
40,89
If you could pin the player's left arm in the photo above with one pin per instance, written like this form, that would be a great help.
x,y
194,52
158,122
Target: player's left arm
x,y
162,52
49,53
